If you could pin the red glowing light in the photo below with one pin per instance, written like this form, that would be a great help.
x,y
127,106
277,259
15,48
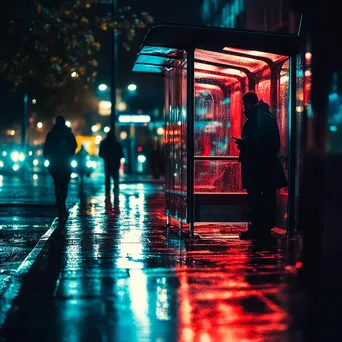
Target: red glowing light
x,y
299,264
139,149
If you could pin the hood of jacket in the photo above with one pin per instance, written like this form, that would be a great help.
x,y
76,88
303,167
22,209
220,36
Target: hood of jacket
x,y
261,106
60,130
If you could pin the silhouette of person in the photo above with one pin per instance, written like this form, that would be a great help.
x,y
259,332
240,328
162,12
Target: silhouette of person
x,y
59,149
155,160
81,158
111,152
262,172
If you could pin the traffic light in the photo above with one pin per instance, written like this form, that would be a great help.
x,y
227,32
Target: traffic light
x,y
139,148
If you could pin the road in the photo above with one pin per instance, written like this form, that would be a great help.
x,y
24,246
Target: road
x,y
26,213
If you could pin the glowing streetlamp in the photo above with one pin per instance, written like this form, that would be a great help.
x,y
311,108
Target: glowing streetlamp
x,y
39,124
102,87
132,87
74,74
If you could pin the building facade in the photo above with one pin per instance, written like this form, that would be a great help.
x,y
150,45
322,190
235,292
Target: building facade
x,y
262,15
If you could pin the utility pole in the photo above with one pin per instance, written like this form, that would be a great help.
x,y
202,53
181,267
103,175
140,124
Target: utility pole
x,y
114,68
24,124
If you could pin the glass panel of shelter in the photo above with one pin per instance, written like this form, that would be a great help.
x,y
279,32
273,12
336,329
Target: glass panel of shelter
x,y
219,111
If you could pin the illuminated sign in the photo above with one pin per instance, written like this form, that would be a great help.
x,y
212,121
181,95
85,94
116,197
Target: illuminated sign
x,y
127,118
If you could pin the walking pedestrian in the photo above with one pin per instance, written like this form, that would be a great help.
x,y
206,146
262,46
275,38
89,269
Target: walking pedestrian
x,y
59,149
111,152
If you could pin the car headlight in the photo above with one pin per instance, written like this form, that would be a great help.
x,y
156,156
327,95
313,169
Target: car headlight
x,y
15,156
74,163
21,156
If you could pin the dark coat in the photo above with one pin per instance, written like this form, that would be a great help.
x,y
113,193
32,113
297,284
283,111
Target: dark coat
x,y
111,152
259,149
59,147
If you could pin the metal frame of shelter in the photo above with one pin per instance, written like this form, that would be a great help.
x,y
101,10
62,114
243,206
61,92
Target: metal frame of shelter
x,y
168,46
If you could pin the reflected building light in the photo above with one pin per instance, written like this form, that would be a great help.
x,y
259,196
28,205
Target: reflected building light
x,y
308,56
141,158
160,131
1,180
284,79
94,128
139,296
123,135
105,108
30,153
74,175
162,307
125,118
121,106
98,139
35,176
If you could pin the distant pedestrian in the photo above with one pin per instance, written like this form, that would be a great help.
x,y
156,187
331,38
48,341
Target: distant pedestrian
x,y
81,158
156,160
111,152
59,149
262,172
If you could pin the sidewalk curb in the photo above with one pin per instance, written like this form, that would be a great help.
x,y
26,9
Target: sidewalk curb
x,y
12,292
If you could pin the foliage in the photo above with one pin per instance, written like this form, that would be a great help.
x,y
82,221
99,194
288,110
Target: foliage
x,y
54,41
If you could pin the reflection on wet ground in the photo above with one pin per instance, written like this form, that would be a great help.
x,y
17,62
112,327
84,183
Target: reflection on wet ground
x,y
123,278
20,229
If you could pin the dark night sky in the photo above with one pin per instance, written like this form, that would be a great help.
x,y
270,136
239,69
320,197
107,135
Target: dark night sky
x,y
150,87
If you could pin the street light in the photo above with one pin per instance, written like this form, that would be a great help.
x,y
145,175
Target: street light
x,y
34,101
39,124
132,87
103,87
74,74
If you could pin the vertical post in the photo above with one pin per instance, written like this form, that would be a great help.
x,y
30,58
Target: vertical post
x,y
24,124
190,138
114,69
131,147
291,204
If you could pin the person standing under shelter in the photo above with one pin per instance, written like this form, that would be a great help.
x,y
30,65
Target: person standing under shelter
x,y
59,149
111,152
262,172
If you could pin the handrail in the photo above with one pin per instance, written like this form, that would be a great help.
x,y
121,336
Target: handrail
x,y
216,157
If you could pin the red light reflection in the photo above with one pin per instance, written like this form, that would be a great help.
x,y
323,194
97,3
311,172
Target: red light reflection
x,y
273,57
230,60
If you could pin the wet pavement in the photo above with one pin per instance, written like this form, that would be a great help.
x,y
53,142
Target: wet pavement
x,y
112,273
26,213
20,230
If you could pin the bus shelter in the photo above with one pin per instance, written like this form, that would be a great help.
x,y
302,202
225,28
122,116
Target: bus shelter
x,y
206,72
